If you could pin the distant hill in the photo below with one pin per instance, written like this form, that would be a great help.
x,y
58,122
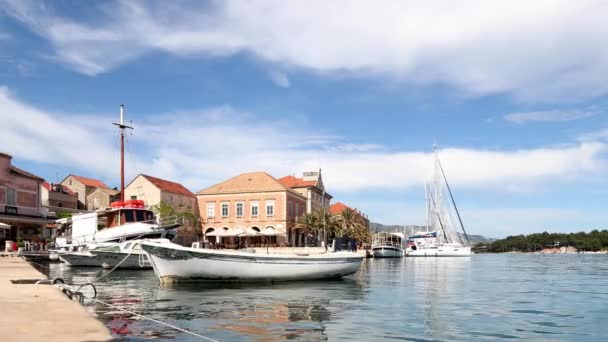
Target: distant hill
x,y
378,227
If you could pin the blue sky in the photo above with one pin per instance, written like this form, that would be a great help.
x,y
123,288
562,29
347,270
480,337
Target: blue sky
x,y
513,93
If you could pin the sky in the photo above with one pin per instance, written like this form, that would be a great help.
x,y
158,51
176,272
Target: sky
x,y
513,93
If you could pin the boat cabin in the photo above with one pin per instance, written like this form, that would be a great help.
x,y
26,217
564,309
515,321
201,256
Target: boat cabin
x,y
130,211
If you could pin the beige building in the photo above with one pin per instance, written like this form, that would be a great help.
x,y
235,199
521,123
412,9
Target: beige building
x,y
252,209
310,186
82,186
154,190
20,206
101,198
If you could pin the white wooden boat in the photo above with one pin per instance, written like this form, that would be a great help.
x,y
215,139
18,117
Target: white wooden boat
x,y
125,255
387,245
82,257
175,263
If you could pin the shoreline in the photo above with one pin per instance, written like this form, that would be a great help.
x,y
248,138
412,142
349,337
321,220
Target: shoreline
x,y
41,312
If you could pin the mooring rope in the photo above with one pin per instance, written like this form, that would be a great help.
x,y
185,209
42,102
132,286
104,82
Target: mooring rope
x,y
81,298
155,320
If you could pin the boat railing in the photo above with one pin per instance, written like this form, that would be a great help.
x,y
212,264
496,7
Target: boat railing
x,y
171,222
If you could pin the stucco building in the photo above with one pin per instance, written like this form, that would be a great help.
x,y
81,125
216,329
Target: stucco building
x,y
20,205
82,186
311,187
252,208
58,198
153,190
101,198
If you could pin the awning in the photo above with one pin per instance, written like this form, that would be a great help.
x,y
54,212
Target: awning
x,y
4,226
269,231
221,232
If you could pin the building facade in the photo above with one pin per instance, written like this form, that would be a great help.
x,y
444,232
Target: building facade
x,y
311,187
252,209
58,198
101,198
153,190
20,205
82,186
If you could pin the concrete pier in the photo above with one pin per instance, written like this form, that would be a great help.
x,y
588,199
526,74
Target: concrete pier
x,y
41,312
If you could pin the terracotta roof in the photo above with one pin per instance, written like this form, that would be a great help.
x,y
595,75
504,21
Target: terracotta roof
x,y
23,172
95,183
6,155
295,182
337,208
169,186
247,183
66,190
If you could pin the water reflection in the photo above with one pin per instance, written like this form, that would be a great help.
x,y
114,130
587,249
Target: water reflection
x,y
493,297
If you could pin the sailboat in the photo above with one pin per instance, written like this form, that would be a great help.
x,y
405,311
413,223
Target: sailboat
x,y
446,235
123,221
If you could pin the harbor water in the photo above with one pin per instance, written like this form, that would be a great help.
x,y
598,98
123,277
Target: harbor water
x,y
486,297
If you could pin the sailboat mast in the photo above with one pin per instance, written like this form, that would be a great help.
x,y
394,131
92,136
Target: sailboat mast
x,y
451,197
122,128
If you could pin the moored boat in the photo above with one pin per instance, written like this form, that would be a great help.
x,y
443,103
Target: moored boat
x,y
387,245
448,237
175,263
125,255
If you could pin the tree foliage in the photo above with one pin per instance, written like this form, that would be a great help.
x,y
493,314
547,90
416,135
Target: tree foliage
x,y
164,209
347,223
593,241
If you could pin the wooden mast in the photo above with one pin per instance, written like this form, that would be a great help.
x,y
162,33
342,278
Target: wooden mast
x,y
122,127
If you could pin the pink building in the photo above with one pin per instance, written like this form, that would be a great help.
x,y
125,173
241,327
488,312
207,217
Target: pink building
x,y
20,208
250,209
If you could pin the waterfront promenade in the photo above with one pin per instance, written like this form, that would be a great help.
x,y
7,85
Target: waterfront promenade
x,y
41,312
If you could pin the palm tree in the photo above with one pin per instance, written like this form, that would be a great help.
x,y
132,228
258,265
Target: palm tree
x,y
352,225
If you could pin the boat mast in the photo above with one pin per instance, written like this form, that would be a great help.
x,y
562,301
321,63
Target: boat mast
x,y
122,127
451,196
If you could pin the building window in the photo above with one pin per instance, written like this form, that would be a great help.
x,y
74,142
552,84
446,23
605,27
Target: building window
x,y
11,196
254,209
290,209
269,208
297,209
224,209
70,182
210,210
133,197
239,209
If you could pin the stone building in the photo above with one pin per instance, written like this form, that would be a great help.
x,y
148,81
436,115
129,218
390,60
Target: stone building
x,y
20,205
310,186
153,190
82,186
252,208
101,198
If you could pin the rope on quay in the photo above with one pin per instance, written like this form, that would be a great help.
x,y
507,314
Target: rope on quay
x,y
69,291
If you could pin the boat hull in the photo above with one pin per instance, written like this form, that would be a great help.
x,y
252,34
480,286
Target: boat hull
x,y
79,259
182,264
112,259
440,252
387,252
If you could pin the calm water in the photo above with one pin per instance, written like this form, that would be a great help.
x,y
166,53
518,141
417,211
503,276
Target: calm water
x,y
487,297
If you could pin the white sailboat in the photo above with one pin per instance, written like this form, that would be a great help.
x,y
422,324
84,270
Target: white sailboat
x,y
445,235
175,263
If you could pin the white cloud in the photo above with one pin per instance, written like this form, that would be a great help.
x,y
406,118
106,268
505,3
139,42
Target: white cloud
x,y
178,146
549,116
545,49
279,79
